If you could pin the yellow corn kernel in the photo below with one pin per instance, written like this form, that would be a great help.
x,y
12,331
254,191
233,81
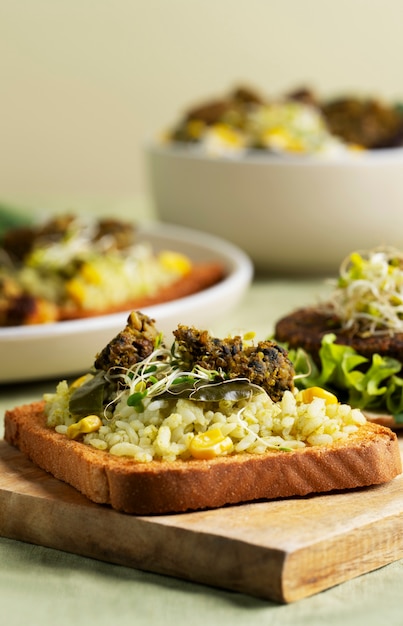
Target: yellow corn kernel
x,y
88,424
75,290
174,261
307,395
80,381
210,444
227,134
90,274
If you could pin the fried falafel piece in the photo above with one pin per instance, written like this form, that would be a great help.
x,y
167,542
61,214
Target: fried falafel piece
x,y
266,364
305,95
18,307
305,328
19,242
364,121
133,344
24,309
122,235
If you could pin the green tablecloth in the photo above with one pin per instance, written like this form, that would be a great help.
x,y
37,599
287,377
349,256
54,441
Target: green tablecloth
x,y
44,586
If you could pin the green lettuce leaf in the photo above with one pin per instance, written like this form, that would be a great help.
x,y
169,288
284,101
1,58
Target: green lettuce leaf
x,y
371,384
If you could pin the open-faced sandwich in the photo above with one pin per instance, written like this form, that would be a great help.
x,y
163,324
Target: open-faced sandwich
x,y
70,267
199,423
352,343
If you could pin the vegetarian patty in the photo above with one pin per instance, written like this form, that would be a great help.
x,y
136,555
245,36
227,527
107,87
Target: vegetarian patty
x,y
132,345
304,328
266,364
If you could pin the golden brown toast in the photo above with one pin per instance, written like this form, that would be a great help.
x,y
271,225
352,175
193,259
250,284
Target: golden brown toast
x,y
368,457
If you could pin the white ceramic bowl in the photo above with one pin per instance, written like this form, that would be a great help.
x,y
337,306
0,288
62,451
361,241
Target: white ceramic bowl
x,y
292,215
68,348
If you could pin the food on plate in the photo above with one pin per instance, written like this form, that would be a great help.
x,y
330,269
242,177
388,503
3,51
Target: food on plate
x,y
70,267
352,342
196,423
299,122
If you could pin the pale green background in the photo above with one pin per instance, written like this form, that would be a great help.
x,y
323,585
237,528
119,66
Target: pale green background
x,y
84,83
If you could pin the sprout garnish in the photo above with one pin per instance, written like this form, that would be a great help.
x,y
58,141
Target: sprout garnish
x,y
369,291
164,374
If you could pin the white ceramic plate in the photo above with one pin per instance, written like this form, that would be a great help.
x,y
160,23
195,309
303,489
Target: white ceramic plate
x,y
66,349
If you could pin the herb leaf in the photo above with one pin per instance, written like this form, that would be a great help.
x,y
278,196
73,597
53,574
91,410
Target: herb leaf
x,y
89,398
213,391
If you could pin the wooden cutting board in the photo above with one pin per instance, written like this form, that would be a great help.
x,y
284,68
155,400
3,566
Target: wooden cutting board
x,y
281,550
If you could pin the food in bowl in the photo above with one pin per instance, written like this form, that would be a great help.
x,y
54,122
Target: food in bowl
x,y
294,212
70,268
297,123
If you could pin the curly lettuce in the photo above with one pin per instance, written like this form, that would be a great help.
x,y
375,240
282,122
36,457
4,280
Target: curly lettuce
x,y
371,384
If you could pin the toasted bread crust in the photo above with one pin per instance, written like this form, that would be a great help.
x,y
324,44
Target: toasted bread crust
x,y
369,457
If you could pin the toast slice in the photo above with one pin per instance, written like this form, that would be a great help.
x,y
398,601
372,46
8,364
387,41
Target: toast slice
x,y
367,457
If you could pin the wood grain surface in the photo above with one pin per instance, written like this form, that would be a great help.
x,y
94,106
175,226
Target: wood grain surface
x,y
283,550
